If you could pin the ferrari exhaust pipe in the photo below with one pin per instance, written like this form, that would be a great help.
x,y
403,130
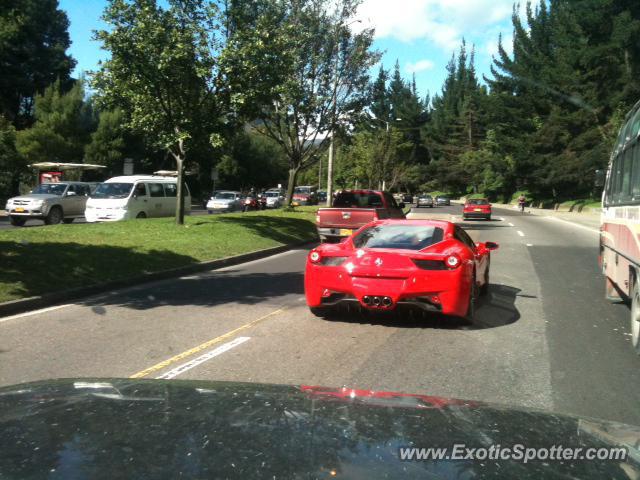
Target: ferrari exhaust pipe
x,y
386,301
376,301
367,300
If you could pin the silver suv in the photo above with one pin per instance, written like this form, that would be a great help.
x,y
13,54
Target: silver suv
x,y
51,202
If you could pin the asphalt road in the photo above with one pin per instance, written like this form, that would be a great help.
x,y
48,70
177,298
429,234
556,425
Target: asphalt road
x,y
545,336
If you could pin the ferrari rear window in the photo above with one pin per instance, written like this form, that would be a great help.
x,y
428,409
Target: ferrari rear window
x,y
403,237
478,201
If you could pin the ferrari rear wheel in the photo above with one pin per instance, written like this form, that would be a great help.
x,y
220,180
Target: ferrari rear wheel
x,y
484,290
473,295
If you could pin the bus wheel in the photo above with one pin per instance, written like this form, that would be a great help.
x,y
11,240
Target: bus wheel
x,y
635,317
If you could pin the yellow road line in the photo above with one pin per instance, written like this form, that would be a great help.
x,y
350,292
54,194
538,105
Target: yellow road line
x,y
202,346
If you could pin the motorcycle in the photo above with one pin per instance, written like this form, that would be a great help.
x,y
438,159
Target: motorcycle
x,y
251,203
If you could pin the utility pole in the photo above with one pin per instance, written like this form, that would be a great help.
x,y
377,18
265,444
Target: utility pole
x,y
384,182
331,132
330,173
333,114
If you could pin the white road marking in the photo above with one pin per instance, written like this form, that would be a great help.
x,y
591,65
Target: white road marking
x,y
592,230
202,358
520,233
502,219
529,244
35,312
511,225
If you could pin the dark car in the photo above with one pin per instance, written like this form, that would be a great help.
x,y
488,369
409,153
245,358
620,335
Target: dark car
x,y
407,198
151,429
442,200
322,196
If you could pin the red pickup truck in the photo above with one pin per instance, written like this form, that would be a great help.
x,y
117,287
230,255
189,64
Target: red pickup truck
x,y
352,209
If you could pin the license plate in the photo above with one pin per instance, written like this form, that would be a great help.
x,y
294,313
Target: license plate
x,y
345,232
19,209
477,209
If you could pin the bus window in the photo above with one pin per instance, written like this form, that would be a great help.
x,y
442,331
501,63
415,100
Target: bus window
x,y
625,191
616,179
635,125
635,174
627,132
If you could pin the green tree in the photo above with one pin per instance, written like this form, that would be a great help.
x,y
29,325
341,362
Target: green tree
x,y
375,160
34,39
318,79
10,162
457,123
62,127
112,142
554,102
164,71
252,161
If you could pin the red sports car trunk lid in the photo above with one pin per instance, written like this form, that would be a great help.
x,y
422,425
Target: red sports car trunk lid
x,y
382,264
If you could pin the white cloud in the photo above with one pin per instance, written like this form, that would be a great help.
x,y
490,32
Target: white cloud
x,y
419,66
443,22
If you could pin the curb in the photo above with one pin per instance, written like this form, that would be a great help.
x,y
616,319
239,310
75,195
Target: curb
x,y
587,212
50,299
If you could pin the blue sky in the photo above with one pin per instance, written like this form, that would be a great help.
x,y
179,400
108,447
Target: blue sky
x,y
420,34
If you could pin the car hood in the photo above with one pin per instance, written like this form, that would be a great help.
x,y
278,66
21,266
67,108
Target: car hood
x,y
122,428
36,196
222,200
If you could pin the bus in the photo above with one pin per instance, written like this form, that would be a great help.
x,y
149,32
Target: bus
x,y
620,222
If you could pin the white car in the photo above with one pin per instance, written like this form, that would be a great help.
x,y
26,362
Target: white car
x,y
274,198
227,201
52,202
135,196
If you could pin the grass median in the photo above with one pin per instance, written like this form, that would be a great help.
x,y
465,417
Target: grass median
x,y
39,260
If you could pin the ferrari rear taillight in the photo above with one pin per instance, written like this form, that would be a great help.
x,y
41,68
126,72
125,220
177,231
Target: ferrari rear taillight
x,y
314,256
453,261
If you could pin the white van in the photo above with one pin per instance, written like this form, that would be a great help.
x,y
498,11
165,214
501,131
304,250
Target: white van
x,y
135,196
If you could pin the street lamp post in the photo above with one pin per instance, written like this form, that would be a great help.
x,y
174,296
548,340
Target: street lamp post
x,y
384,182
333,117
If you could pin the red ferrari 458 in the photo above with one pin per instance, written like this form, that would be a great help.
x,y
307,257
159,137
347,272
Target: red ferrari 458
x,y
431,265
